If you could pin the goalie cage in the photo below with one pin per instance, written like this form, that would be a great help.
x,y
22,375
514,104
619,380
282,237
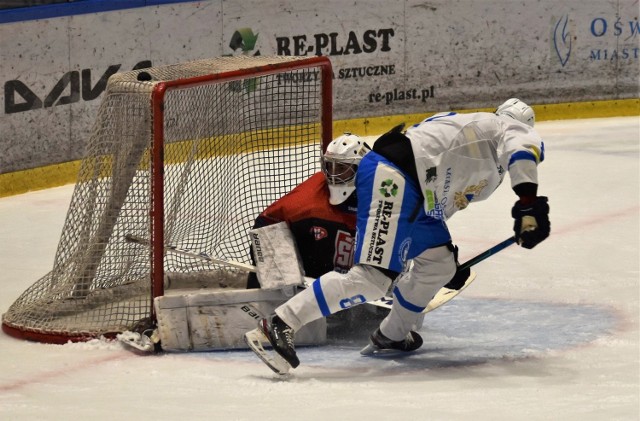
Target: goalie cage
x,y
187,155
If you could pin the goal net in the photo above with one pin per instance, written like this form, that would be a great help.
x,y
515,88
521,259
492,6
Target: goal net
x,y
186,155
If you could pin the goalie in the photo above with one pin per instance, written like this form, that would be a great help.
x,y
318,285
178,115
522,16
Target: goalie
x,y
321,215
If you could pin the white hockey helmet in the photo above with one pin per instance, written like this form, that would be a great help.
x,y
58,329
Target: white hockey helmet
x,y
517,109
340,163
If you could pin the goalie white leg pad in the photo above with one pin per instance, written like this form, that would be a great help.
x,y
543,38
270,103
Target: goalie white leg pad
x,y
218,320
210,279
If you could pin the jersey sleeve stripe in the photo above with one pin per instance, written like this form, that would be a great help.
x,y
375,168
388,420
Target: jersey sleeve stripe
x,y
524,155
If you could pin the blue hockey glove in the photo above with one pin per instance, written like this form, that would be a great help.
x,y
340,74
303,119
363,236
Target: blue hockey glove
x,y
532,224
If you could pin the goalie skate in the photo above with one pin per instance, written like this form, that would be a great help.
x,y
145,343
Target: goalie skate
x,y
136,340
254,339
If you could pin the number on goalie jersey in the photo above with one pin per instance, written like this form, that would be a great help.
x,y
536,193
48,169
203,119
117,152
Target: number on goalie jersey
x,y
324,233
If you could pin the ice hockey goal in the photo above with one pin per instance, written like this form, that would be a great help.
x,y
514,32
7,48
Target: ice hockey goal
x,y
187,155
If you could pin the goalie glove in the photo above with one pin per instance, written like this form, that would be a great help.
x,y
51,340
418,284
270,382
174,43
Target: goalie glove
x,y
531,226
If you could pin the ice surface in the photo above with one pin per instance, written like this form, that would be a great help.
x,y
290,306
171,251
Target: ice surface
x,y
545,334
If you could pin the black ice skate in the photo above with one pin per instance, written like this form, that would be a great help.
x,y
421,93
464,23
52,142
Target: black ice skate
x,y
381,345
282,355
280,336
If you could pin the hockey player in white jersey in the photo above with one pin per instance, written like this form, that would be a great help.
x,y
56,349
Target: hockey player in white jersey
x,y
408,187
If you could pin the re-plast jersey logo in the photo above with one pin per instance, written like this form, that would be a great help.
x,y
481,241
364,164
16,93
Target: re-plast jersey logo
x,y
388,188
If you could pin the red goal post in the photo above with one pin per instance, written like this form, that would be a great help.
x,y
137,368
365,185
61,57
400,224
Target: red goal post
x,y
187,155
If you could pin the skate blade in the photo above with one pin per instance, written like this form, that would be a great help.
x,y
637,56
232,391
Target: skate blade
x,y
254,340
373,351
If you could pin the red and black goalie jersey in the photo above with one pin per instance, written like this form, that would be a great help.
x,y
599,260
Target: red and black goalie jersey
x,y
324,233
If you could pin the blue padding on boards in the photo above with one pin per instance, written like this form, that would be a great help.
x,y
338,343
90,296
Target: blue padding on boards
x,y
78,7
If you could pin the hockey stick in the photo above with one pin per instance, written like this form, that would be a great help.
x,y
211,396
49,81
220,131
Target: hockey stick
x,y
482,256
250,268
444,294
130,238
384,302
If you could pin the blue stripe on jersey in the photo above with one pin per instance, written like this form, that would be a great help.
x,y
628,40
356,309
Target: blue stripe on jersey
x,y
521,156
322,301
440,115
406,304
435,117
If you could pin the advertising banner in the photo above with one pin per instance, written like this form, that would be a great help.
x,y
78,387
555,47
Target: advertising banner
x,y
389,58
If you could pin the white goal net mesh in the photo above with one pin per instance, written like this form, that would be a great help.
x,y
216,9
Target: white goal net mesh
x,y
236,134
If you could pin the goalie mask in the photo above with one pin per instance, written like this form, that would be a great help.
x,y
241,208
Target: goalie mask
x,y
340,163
517,109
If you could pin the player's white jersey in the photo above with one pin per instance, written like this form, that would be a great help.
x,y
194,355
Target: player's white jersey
x,y
462,158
